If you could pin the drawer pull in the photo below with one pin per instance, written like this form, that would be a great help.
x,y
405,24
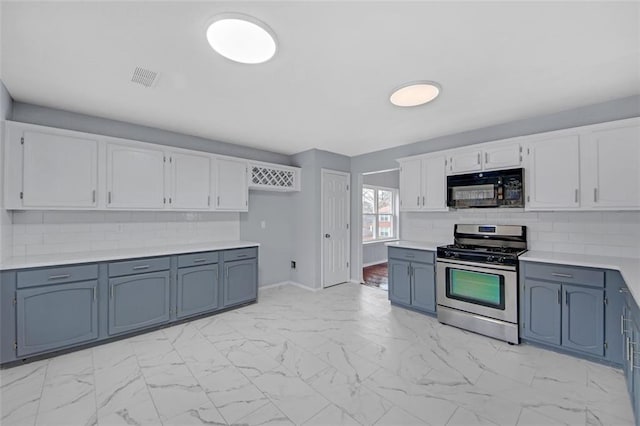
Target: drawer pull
x,y
242,255
411,256
623,290
199,260
558,274
139,267
59,277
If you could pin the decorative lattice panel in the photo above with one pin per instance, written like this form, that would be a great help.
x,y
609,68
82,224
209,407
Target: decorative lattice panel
x,y
262,176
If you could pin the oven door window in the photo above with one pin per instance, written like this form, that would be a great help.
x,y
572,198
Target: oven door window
x,y
478,288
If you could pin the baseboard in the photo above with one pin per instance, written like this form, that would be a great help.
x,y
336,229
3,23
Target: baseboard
x,y
374,263
283,283
355,281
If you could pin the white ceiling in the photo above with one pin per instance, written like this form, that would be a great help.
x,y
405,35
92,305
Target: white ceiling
x,y
337,63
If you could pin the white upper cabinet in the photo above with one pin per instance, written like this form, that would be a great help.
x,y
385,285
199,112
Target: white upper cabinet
x,y
135,177
466,161
552,178
58,171
423,184
411,185
502,156
190,181
434,183
611,168
232,193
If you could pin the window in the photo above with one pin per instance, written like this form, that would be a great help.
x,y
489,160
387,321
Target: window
x,y
379,219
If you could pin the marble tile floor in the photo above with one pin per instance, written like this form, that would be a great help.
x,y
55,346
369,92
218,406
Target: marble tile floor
x,y
340,356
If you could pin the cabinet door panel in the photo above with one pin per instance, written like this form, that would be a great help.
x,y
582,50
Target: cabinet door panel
x,y
56,316
190,182
554,174
231,183
423,287
399,282
138,301
434,183
135,177
502,157
197,290
612,158
59,171
410,189
240,281
466,161
542,311
583,319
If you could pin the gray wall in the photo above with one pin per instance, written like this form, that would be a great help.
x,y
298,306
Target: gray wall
x,y
307,241
6,109
381,160
390,179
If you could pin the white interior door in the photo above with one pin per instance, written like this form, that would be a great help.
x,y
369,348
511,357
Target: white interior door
x,y
335,227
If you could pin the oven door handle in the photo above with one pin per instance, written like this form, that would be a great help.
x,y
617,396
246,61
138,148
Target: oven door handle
x,y
476,265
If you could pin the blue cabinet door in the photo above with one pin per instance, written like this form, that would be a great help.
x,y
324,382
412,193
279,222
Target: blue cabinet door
x,y
197,290
583,319
240,282
138,301
399,282
423,287
542,311
56,316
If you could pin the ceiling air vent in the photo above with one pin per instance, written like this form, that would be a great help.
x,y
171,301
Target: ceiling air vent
x,y
144,76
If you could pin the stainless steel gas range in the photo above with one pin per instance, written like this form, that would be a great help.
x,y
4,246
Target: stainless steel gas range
x,y
477,279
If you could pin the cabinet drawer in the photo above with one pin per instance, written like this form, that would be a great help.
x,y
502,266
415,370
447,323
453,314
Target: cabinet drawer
x,y
140,266
411,255
238,254
56,275
195,259
565,274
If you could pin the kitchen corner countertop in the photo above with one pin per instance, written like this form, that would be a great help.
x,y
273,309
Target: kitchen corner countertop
x,y
416,245
629,267
22,262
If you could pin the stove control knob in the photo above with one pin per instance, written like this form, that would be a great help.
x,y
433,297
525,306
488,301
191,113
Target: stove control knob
x,y
448,254
490,258
502,259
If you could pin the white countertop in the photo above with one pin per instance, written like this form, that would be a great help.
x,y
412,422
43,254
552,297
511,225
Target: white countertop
x,y
629,267
417,245
21,262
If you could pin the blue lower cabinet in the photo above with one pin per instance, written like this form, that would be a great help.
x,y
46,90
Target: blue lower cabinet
x,y
56,316
197,290
399,281
240,282
423,286
541,312
583,319
138,301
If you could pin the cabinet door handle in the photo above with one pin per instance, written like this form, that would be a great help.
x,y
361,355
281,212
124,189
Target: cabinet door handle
x,y
566,298
423,200
575,197
208,200
478,158
139,267
94,294
595,195
111,290
558,274
59,277
226,272
559,297
93,196
623,290
109,197
218,201
418,200
409,271
486,157
199,260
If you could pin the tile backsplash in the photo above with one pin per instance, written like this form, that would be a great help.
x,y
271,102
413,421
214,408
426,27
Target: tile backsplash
x,y
48,232
613,233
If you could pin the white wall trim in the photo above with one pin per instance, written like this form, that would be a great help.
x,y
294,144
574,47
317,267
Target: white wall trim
x,y
285,283
375,263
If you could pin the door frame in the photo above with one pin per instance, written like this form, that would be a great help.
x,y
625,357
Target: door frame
x,y
347,175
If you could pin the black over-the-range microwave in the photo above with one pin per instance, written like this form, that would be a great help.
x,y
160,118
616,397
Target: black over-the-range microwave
x,y
499,188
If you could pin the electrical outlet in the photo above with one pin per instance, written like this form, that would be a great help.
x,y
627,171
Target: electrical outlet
x,y
293,264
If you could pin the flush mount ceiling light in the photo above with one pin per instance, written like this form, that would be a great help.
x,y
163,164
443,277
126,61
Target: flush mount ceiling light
x,y
241,38
414,94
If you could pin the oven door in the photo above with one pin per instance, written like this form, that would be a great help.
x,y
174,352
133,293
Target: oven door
x,y
491,291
